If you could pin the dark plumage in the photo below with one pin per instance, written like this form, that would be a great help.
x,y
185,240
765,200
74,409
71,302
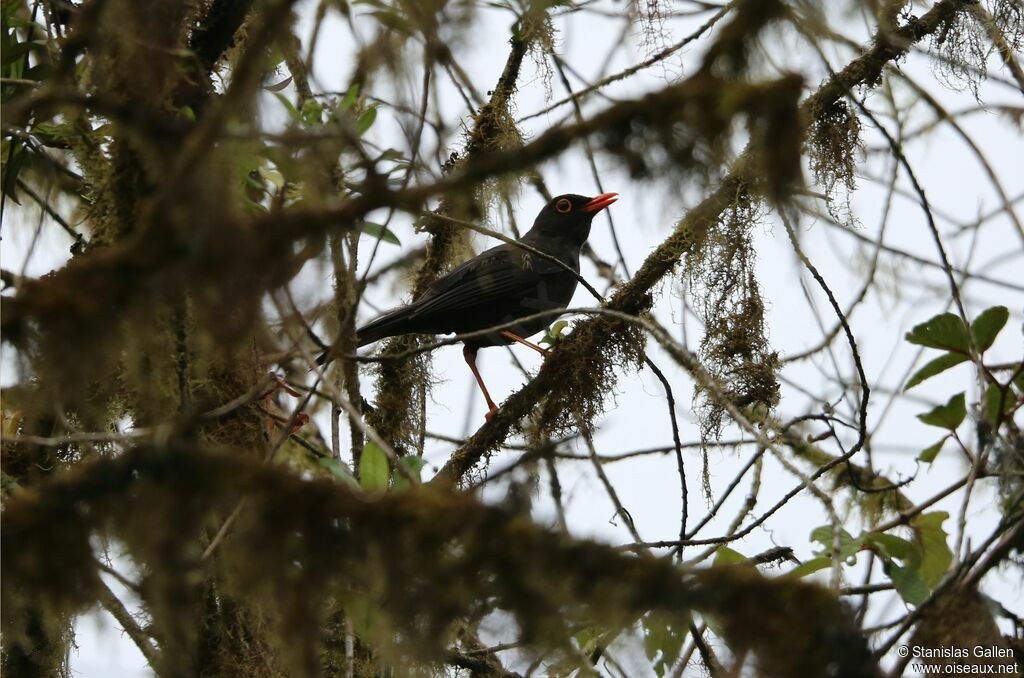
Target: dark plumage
x,y
501,285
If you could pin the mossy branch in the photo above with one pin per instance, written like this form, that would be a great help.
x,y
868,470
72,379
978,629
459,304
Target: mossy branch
x,y
427,555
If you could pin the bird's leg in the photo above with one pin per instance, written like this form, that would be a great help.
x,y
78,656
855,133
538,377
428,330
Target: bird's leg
x,y
515,337
470,355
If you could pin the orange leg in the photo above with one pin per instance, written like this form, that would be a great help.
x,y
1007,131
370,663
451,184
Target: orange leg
x,y
524,342
470,355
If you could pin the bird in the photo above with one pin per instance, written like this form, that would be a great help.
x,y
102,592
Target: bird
x,y
500,286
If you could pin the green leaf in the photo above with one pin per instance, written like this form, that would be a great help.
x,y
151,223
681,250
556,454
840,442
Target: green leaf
x,y
312,113
10,171
908,583
289,106
350,97
947,416
931,539
995,397
929,453
373,468
1018,380
554,333
937,366
890,546
272,175
663,641
365,120
808,566
726,556
945,331
17,52
378,231
987,325
414,465
848,546
339,470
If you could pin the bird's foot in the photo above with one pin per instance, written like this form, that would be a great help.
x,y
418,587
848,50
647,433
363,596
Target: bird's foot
x,y
490,413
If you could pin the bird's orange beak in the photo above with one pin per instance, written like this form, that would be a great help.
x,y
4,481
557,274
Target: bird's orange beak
x,y
600,202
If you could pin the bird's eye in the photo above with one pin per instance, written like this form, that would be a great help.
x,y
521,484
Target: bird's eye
x,y
563,205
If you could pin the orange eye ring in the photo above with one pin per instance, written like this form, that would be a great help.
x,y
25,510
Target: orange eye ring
x,y
564,206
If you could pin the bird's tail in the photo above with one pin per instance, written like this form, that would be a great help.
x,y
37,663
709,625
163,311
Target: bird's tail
x,y
387,325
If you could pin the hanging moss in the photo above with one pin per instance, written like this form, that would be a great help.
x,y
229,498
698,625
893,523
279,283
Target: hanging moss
x,y
835,149
735,348
600,352
1008,17
964,50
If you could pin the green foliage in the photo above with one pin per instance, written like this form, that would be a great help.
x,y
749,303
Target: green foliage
x,y
13,156
907,582
848,546
948,416
948,332
987,325
378,232
409,474
998,403
936,366
339,470
288,106
809,567
18,46
914,566
374,471
366,120
663,641
727,556
929,453
312,113
554,334
945,331
930,542
350,98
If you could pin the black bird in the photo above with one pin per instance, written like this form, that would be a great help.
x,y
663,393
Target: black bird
x,y
501,285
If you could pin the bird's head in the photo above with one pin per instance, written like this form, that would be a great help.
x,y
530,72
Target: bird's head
x,y
569,215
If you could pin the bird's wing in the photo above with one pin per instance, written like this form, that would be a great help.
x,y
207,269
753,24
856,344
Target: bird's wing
x,y
499,274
